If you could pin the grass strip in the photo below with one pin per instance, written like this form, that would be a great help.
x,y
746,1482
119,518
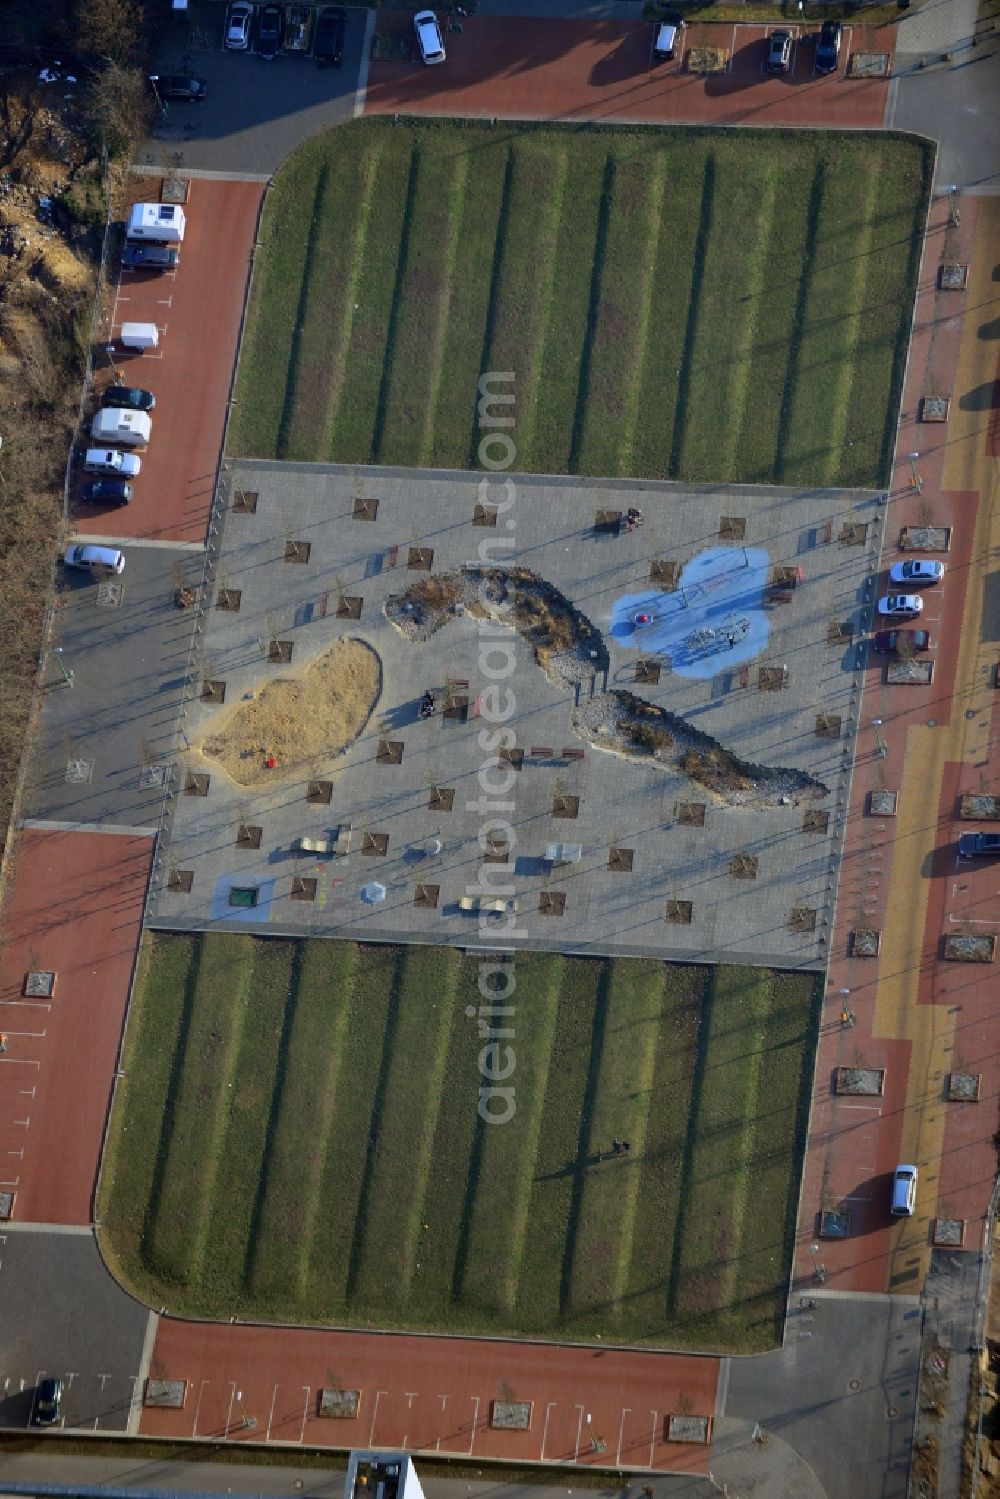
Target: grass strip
x,y
455,429
562,1144
272,316
682,166
522,306
895,240
775,1156
354,1121
602,1245
718,1179
144,1102
331,288
415,347
660,1167
388,1222
566,329
504,1157
211,1041
248,1103
286,1221
354,424
732,277
766,358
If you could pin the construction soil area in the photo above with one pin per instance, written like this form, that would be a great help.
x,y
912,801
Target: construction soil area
x,y
567,70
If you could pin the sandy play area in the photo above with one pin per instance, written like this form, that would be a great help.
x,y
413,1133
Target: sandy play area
x,y
300,720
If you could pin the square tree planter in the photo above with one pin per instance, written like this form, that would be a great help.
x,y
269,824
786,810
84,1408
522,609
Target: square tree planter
x,y
965,947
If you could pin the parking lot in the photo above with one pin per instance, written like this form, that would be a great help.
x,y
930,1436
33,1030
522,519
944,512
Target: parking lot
x,y
533,69
196,309
64,1317
257,110
617,803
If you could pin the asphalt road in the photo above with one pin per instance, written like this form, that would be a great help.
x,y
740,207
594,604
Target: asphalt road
x,y
62,1314
256,111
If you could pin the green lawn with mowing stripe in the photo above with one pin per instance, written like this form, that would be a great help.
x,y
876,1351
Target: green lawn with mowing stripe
x,y
302,1134
680,303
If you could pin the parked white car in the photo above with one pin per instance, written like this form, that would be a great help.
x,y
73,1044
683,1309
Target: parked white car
x,y
238,25
112,461
914,570
429,38
900,605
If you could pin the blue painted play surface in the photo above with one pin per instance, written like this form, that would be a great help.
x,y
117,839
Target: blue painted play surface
x,y
714,619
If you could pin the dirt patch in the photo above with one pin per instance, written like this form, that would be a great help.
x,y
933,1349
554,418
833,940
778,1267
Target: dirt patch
x,y
312,716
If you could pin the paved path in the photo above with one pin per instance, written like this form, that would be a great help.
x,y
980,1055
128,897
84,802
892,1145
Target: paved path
x,y
947,84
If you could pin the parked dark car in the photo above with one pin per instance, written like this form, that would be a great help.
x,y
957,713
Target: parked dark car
x,y
779,51
106,492
147,257
828,47
889,642
48,1402
176,87
329,43
128,398
973,845
270,31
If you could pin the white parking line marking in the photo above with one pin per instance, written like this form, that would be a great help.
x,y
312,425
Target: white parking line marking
x,y
652,1443
475,1423
371,1433
305,1412
621,1432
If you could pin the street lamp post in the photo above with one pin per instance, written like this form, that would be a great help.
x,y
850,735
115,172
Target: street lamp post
x,y
881,748
954,217
915,480
249,1423
67,671
819,1269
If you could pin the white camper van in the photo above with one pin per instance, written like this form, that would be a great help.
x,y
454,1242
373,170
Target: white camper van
x,y
163,223
132,428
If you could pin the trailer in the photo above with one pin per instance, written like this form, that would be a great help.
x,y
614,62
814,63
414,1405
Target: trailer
x,y
164,223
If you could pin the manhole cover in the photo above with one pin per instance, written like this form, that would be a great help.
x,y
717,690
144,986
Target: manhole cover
x,y
891,1412
971,712
109,595
932,723
854,1384
79,772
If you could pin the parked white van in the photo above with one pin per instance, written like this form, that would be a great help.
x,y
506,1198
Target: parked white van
x,y
115,424
112,461
95,559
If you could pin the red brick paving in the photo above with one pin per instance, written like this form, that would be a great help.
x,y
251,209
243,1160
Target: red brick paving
x,y
432,1393
535,69
849,1144
197,309
76,909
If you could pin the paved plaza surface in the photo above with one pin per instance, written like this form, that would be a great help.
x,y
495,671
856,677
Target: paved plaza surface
x,y
638,806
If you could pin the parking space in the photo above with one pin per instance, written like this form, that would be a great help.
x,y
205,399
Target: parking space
x,y
197,311
433,1394
47,1280
75,914
528,69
